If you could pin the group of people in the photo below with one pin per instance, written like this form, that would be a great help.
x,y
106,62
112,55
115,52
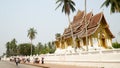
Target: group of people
x,y
36,60
17,60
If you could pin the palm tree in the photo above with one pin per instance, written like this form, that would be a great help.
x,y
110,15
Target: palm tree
x,y
31,34
115,5
67,6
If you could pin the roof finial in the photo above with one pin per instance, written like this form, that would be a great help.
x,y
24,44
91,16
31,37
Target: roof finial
x,y
102,10
92,10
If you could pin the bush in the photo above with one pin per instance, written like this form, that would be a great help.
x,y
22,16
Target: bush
x,y
116,45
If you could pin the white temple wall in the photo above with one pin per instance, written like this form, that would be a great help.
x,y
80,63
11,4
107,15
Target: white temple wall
x,y
93,58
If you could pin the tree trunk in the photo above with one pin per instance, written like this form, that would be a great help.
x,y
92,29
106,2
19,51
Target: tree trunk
x,y
71,32
86,28
31,47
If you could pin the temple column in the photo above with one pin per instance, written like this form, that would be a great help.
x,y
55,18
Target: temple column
x,y
78,44
99,39
100,43
109,43
66,45
95,41
81,44
73,42
91,41
60,45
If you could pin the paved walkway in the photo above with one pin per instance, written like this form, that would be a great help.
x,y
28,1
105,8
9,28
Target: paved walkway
x,y
58,66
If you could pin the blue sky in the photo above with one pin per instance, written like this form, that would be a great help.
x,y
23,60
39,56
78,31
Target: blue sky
x,y
17,16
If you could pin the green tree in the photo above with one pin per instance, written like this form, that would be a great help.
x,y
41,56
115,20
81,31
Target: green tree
x,y
8,49
58,36
31,34
115,45
67,7
114,4
25,49
51,47
11,48
46,48
39,48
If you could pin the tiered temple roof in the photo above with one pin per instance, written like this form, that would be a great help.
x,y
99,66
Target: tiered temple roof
x,y
93,22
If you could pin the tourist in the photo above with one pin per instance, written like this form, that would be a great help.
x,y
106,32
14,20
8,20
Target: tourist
x,y
28,60
42,60
17,61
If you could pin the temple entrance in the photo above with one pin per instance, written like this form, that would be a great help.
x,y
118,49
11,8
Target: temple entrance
x,y
78,44
103,43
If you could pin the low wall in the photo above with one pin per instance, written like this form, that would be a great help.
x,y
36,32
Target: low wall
x,y
105,58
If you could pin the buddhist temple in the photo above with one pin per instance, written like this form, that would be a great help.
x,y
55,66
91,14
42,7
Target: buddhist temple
x,y
98,33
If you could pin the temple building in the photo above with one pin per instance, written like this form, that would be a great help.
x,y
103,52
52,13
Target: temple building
x,y
98,33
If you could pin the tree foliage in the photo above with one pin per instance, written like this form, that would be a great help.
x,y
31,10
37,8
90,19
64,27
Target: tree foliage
x,y
116,45
114,4
39,48
57,36
67,6
51,47
11,48
25,49
45,48
31,33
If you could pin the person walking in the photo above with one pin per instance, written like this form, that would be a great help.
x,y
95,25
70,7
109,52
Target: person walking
x,y
42,60
17,61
